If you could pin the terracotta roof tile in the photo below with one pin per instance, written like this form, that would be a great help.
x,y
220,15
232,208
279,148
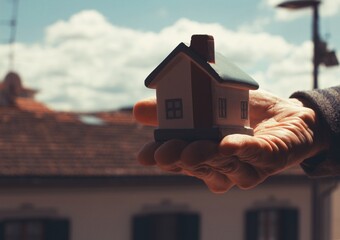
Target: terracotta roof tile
x,y
35,141
29,104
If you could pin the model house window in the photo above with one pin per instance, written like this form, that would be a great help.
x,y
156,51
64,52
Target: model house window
x,y
174,108
166,226
34,229
222,108
244,110
272,224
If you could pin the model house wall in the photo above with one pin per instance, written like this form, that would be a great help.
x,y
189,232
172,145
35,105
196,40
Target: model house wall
x,y
174,83
234,98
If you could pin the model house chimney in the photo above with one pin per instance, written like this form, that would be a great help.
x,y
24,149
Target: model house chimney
x,y
204,46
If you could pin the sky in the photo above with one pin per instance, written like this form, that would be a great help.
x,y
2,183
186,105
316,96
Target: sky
x,y
85,55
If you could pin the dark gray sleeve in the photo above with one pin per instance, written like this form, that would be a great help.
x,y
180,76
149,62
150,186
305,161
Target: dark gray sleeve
x,y
326,103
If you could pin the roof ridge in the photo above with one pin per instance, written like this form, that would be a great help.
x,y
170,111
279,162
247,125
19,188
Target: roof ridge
x,y
222,70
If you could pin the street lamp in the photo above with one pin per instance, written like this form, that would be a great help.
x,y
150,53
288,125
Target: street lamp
x,y
321,56
320,52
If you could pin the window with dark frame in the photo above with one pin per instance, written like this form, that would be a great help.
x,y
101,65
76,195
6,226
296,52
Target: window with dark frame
x,y
244,109
166,226
24,230
174,108
272,224
222,107
34,229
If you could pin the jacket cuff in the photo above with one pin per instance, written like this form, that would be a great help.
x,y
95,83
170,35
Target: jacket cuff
x,y
326,105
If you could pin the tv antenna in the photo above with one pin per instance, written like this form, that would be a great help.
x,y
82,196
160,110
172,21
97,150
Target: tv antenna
x,y
12,23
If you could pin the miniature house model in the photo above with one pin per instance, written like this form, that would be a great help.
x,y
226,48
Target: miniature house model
x,y
200,95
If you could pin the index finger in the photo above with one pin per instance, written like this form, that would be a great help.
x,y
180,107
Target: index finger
x,y
145,111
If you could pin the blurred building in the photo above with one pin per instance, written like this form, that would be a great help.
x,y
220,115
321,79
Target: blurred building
x,y
74,176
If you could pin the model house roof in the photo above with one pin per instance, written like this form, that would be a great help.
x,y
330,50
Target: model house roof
x,y
220,69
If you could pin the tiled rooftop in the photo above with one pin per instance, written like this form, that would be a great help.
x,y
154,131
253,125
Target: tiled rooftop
x,y
35,141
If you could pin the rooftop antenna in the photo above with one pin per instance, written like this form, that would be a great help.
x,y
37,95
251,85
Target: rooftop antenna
x,y
13,26
12,23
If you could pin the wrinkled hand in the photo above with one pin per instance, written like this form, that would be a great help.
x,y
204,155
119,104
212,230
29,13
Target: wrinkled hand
x,y
285,133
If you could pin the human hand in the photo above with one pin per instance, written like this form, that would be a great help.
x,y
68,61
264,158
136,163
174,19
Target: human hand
x,y
285,133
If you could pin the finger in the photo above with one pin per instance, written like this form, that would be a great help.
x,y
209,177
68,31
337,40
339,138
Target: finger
x,y
202,159
147,153
243,175
145,112
248,149
169,156
169,153
217,182
234,144
198,152
195,160
244,162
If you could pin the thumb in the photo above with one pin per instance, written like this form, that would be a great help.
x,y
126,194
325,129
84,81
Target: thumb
x,y
145,112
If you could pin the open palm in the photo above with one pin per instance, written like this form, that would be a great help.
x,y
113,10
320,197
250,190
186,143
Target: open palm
x,y
285,133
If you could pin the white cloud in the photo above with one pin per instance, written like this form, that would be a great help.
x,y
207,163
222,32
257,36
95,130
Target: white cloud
x,y
330,7
257,25
86,63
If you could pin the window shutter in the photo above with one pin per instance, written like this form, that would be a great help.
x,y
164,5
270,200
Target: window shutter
x,y
166,226
188,227
57,229
141,227
252,225
272,224
289,224
2,231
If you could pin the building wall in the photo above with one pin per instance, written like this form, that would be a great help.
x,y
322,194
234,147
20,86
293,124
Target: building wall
x,y
335,213
106,213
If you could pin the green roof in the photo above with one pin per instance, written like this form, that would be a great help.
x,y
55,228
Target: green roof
x,y
222,70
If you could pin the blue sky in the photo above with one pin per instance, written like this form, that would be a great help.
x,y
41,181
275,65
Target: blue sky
x,y
144,15
266,42
153,15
